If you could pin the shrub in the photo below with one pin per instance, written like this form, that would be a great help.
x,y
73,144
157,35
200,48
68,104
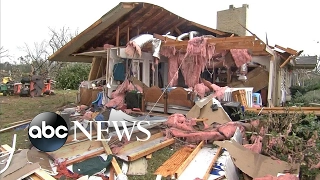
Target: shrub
x,y
72,75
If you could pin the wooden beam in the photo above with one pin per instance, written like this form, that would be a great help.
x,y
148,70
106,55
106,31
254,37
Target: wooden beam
x,y
286,61
118,37
185,164
172,23
43,175
213,162
215,40
150,150
177,30
100,69
139,143
221,33
14,126
5,148
128,35
288,50
109,152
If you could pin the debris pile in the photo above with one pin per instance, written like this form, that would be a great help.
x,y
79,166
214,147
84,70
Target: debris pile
x,y
212,143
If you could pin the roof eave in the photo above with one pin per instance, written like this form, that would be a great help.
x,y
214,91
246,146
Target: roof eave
x,y
106,20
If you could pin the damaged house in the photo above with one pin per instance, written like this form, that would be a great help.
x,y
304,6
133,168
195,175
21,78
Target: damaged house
x,y
160,51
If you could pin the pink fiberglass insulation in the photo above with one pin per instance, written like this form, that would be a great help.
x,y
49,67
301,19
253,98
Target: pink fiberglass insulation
x,y
132,48
180,127
256,146
173,64
168,51
197,136
219,91
286,176
228,129
119,95
240,56
179,121
199,53
191,70
201,89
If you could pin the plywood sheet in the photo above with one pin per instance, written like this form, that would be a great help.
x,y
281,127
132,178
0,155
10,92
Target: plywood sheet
x,y
42,158
170,166
75,149
138,167
199,165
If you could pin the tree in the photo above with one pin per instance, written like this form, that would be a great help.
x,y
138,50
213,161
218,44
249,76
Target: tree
x,y
72,75
3,52
37,56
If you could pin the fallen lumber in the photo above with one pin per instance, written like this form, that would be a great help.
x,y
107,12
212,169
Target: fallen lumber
x,y
216,157
109,152
184,165
14,126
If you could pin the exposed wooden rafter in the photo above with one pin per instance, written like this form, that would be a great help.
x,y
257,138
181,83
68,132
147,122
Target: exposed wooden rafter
x,y
209,29
288,50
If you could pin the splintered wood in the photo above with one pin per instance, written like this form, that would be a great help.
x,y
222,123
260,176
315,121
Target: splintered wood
x,y
169,167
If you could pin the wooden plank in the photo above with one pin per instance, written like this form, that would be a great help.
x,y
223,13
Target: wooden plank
x,y
26,120
286,61
139,143
111,173
100,68
108,152
118,37
128,34
14,126
214,160
184,165
43,175
286,108
84,157
94,68
241,39
5,148
177,30
290,51
74,149
150,150
209,29
34,177
170,166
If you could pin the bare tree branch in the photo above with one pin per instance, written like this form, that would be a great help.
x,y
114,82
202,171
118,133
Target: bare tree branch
x,y
4,52
37,56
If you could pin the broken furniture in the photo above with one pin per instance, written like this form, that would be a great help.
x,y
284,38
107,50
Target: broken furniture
x,y
171,101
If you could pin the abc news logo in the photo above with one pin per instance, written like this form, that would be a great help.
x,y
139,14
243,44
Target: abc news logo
x,y
48,131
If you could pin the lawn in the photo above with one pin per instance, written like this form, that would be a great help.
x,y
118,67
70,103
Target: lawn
x,y
15,108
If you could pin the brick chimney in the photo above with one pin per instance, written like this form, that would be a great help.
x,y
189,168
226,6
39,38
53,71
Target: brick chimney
x,y
228,20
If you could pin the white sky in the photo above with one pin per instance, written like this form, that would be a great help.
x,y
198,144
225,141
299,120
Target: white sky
x,y
293,24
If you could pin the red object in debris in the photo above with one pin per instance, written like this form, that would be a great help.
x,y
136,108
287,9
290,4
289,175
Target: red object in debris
x,y
17,88
281,177
47,87
136,109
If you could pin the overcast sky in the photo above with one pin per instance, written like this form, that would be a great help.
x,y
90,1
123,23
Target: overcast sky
x,y
293,24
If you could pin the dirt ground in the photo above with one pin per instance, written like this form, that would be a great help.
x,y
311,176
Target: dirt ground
x,y
15,108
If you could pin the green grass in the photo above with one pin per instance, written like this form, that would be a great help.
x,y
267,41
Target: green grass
x,y
15,108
